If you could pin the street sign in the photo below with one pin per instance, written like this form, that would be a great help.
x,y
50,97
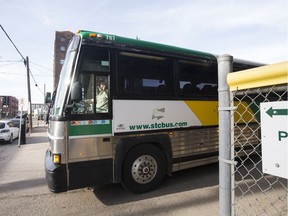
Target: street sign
x,y
274,136
22,102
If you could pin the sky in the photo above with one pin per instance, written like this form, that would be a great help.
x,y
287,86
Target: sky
x,y
254,30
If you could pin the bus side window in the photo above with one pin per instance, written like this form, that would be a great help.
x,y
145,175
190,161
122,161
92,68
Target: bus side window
x,y
197,80
145,75
189,89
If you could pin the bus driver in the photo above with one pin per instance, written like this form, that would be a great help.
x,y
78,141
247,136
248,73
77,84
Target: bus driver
x,y
102,98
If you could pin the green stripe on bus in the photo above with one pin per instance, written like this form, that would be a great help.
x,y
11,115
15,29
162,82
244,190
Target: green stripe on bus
x,y
78,128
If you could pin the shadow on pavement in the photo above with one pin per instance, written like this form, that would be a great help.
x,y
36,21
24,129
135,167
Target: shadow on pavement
x,y
37,136
23,184
186,180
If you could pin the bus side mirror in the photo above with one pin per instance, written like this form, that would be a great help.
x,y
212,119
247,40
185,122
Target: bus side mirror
x,y
76,92
48,98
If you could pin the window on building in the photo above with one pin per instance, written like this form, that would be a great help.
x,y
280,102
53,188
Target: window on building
x,y
62,48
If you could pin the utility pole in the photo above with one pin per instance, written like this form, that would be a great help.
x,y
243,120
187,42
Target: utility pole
x,y
44,93
29,93
26,63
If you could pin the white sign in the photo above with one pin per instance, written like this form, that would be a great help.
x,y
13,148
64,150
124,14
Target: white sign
x,y
274,135
143,115
22,102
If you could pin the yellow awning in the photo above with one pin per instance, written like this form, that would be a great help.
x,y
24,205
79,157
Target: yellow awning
x,y
268,75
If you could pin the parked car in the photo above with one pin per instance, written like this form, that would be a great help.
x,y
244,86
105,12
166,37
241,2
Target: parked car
x,y
25,116
16,122
8,131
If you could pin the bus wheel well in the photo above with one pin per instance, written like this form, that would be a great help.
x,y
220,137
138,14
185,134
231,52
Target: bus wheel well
x,y
144,168
125,144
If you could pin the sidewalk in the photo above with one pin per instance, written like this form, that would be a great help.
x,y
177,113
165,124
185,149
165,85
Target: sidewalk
x,y
37,131
36,135
22,168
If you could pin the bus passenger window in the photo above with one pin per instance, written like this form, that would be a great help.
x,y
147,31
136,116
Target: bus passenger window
x,y
145,75
197,79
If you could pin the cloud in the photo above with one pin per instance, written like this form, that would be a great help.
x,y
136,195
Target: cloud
x,y
253,30
196,18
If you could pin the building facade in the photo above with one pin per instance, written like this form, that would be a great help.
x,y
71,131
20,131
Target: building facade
x,y
61,43
8,107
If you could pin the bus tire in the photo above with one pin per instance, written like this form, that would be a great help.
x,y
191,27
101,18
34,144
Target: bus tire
x,y
144,168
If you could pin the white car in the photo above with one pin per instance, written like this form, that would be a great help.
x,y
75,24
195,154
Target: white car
x,y
8,131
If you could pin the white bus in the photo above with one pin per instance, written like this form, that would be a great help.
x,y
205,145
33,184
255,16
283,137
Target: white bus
x,y
129,111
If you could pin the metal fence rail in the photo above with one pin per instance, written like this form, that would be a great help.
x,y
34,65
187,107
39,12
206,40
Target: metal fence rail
x,y
252,191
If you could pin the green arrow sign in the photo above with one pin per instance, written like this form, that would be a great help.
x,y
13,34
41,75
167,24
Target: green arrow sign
x,y
272,112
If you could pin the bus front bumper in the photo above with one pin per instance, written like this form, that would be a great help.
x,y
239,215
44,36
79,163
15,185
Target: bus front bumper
x,y
56,175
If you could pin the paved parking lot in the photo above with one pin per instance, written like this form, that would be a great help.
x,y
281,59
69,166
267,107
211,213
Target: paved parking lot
x,y
23,189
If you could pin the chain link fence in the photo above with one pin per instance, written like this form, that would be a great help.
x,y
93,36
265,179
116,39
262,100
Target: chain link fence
x,y
244,189
255,193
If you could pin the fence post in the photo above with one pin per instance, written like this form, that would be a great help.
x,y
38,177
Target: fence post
x,y
225,193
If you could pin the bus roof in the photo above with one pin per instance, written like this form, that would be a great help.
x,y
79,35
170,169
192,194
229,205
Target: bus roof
x,y
158,47
128,42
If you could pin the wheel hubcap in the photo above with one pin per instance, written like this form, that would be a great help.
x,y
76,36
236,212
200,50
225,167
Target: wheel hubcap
x,y
144,169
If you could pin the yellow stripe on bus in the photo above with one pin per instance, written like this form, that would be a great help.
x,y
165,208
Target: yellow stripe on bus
x,y
206,111
244,113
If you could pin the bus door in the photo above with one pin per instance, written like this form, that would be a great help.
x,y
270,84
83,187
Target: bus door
x,y
89,142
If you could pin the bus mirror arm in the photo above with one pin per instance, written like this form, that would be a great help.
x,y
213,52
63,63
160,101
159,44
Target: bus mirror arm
x,y
69,107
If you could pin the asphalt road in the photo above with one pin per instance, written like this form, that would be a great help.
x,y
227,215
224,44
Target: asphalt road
x,y
23,190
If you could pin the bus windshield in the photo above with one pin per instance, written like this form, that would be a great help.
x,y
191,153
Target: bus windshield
x,y
65,76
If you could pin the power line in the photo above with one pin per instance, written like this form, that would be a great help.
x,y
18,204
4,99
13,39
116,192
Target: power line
x,y
19,74
41,66
4,65
36,66
11,60
13,44
26,63
24,59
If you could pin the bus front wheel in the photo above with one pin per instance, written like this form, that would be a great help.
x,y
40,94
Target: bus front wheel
x,y
144,168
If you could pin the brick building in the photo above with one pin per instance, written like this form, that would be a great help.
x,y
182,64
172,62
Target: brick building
x,y
8,107
61,43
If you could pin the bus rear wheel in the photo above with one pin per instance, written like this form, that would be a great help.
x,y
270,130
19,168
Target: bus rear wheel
x,y
144,168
